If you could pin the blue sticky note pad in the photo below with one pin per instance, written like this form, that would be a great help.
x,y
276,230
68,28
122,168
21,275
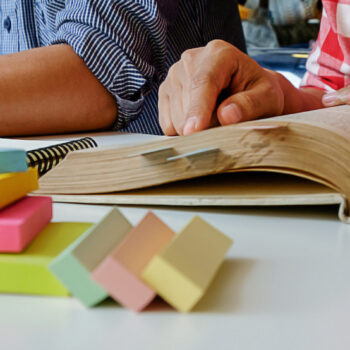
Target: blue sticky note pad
x,y
13,160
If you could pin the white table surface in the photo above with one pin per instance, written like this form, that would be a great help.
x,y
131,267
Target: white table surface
x,y
284,285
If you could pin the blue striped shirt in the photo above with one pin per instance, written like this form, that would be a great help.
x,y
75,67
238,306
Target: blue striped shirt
x,y
128,45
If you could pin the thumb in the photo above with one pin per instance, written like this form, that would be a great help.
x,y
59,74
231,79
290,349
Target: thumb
x,y
249,105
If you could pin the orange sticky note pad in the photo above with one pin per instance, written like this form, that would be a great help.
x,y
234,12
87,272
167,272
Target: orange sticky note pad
x,y
120,272
22,221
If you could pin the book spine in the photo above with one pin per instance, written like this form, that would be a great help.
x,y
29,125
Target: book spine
x,y
44,159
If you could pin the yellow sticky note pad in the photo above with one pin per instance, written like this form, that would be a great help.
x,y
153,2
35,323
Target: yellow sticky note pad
x,y
183,271
28,271
14,186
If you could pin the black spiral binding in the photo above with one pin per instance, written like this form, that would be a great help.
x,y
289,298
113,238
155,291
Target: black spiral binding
x,y
44,159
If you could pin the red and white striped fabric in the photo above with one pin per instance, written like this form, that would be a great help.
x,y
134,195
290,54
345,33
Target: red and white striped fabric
x,y
328,67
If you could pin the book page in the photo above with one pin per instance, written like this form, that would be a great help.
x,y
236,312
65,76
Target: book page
x,y
228,189
336,119
27,145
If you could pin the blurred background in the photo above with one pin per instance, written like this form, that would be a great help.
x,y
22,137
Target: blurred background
x,y
281,33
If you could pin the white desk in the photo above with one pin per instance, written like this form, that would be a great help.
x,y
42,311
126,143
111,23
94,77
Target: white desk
x,y
285,285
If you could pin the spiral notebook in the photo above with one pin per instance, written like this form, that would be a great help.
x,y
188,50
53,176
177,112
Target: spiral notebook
x,y
45,158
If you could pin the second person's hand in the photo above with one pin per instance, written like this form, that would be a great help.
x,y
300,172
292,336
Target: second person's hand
x,y
336,98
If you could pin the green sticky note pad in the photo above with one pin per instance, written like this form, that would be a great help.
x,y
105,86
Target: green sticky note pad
x,y
74,265
13,160
28,273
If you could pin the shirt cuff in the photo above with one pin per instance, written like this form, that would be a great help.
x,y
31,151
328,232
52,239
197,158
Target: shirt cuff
x,y
127,111
114,70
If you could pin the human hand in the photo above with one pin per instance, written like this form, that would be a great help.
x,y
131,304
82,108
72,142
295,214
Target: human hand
x,y
336,98
216,84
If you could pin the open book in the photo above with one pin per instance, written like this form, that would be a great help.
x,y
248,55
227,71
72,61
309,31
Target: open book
x,y
311,146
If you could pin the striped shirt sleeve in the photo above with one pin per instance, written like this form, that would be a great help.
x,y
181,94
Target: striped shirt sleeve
x,y
122,42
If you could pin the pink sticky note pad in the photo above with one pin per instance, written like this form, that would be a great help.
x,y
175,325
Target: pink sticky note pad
x,y
22,221
119,273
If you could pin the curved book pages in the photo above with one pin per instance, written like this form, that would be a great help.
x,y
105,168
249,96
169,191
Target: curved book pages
x,y
313,145
227,189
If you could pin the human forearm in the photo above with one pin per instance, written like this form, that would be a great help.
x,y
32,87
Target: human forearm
x,y
50,90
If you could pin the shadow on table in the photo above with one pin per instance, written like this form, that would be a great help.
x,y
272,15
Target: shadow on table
x,y
108,303
157,305
225,292
223,295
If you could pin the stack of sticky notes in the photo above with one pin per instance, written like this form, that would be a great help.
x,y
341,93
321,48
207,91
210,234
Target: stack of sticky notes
x,y
27,272
28,242
21,217
15,178
110,258
134,264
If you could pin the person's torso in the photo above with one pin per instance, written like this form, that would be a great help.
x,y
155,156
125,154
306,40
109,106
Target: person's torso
x,y
27,24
